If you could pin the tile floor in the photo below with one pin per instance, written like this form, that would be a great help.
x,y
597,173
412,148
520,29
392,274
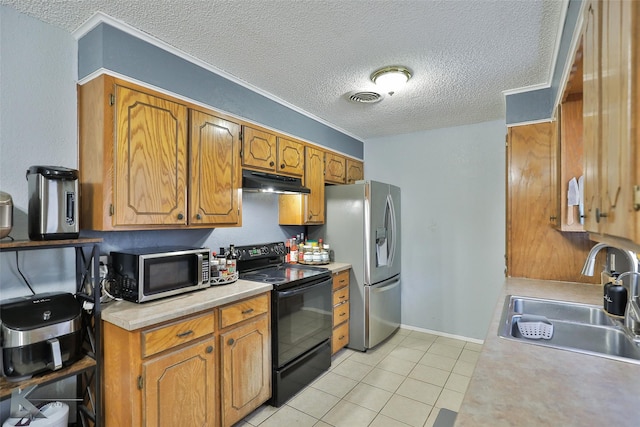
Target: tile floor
x,y
402,382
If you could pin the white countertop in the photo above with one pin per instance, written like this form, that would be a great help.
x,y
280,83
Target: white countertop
x,y
520,384
132,316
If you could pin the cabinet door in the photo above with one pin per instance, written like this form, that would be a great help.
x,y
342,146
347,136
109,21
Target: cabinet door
x,y
355,171
314,180
591,122
618,75
151,160
302,209
179,388
246,369
214,170
335,168
290,157
559,256
258,149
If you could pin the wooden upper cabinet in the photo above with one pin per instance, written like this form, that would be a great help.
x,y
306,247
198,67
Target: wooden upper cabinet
x,y
559,256
335,168
592,129
139,169
355,171
215,172
258,149
303,209
290,157
314,180
151,159
612,95
133,157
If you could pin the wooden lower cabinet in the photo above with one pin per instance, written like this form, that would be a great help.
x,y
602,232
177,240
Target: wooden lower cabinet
x,y
176,373
179,387
340,335
245,361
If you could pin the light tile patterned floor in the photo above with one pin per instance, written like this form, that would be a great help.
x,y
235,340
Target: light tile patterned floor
x,y
402,382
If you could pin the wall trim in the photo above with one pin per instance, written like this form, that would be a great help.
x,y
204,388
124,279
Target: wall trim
x,y
442,334
102,18
554,58
530,122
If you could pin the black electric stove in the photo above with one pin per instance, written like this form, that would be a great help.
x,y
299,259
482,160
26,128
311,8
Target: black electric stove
x,y
301,316
265,263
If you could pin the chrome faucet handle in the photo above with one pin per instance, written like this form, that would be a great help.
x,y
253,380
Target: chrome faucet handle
x,y
633,290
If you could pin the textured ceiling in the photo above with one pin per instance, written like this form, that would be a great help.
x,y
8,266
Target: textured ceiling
x,y
312,53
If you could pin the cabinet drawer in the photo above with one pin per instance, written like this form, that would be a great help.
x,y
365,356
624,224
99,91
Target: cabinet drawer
x,y
340,337
164,337
340,279
340,313
340,295
243,310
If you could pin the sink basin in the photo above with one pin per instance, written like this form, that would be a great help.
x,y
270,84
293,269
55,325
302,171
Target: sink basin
x,y
582,328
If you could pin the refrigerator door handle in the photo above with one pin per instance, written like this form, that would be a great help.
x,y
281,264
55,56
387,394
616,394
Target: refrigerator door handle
x,y
391,240
386,288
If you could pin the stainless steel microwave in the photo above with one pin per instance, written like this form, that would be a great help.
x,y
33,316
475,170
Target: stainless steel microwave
x,y
146,274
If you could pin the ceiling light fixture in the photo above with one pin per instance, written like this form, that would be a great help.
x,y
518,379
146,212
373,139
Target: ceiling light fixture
x,y
392,78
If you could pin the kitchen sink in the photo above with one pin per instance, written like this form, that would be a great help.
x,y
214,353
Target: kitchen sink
x,y
582,328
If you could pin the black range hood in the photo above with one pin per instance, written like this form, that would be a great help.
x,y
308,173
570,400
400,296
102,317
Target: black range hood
x,y
271,183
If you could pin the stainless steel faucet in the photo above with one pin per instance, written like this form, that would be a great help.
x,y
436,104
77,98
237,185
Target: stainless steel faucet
x,y
632,310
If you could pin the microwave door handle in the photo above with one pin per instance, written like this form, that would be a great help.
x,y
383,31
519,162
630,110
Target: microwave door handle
x,y
200,257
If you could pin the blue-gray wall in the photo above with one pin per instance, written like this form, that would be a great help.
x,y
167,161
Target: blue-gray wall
x,y
113,49
538,104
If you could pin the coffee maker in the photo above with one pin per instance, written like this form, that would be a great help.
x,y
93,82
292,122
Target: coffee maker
x,y
53,203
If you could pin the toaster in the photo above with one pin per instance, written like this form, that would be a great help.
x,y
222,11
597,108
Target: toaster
x,y
39,333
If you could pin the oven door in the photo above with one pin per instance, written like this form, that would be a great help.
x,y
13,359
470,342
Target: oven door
x,y
302,319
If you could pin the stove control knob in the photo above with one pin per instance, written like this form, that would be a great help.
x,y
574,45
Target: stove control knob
x,y
264,250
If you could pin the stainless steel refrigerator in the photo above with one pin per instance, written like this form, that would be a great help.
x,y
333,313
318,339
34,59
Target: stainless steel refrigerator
x,y
362,227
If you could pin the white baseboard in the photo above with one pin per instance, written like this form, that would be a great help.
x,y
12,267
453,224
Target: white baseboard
x,y
442,334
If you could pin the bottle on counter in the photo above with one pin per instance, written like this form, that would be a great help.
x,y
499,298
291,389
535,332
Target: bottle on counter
x,y
287,249
232,261
222,263
294,251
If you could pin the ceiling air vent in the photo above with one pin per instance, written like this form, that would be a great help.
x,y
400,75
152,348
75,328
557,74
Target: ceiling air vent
x,y
365,97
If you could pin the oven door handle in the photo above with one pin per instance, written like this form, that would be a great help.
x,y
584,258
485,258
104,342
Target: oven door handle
x,y
303,289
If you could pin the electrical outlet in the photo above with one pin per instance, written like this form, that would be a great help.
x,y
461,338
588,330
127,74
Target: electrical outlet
x,y
104,263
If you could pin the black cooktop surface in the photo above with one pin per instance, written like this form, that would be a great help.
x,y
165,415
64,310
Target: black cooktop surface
x,y
283,273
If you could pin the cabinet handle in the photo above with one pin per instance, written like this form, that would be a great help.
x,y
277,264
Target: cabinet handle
x,y
282,166
341,338
342,296
250,310
343,314
198,216
209,349
231,341
184,334
552,218
600,215
343,280
180,216
271,163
